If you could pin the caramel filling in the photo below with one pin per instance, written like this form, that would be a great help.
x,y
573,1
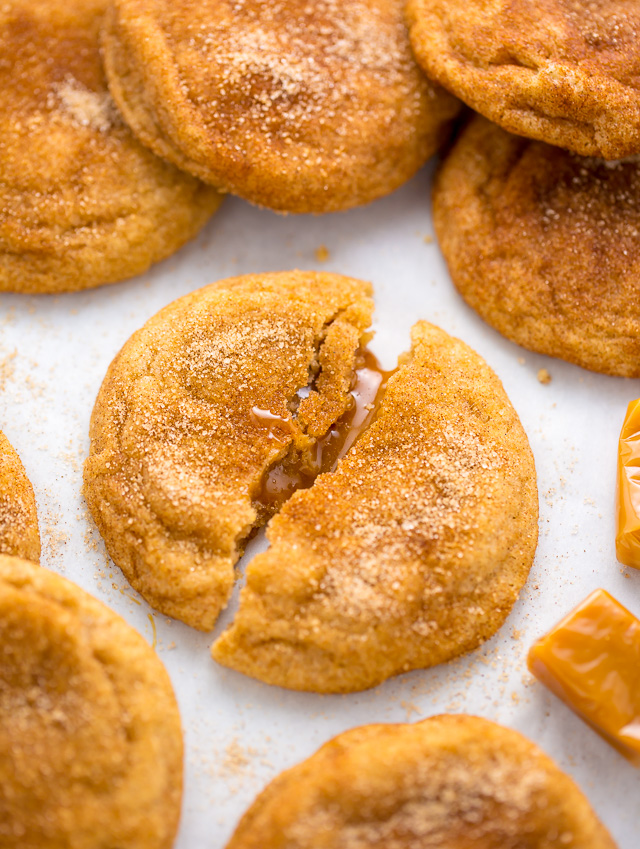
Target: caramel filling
x,y
283,479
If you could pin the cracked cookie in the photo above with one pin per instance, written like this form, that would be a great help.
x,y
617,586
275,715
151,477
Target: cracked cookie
x,y
412,551
90,740
220,389
82,202
296,106
562,71
449,781
543,244
19,533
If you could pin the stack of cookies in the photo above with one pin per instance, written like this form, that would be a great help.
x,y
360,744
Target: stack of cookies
x,y
542,240
294,106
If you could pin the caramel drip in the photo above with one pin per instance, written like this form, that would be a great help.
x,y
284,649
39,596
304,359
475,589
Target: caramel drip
x,y
277,427
283,479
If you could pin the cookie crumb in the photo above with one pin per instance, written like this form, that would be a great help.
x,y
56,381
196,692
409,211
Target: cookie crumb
x,y
544,376
410,708
428,240
7,369
322,253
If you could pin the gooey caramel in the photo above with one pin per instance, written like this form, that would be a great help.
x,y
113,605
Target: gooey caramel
x,y
628,489
283,479
591,660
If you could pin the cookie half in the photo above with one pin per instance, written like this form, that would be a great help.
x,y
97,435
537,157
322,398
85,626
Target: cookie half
x,y
412,551
19,533
543,244
444,782
561,71
90,739
82,202
200,405
296,106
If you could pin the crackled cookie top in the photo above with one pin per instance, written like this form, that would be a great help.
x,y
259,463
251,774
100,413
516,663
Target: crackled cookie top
x,y
544,245
90,738
214,392
81,201
562,71
19,533
449,781
412,551
297,106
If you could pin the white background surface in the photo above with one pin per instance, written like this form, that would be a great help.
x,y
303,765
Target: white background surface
x,y
54,352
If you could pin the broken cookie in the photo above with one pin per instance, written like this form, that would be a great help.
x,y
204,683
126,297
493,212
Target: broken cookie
x,y
223,390
412,551
19,533
238,402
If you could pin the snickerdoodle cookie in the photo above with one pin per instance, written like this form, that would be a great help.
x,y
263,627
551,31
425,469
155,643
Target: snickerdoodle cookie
x,y
82,202
18,517
296,106
200,405
565,72
90,738
449,781
412,551
544,245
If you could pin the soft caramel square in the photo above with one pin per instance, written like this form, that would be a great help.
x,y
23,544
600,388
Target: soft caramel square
x,y
591,660
628,489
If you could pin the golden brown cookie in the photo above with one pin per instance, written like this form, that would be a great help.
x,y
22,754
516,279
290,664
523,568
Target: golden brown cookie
x,y
19,533
81,201
90,738
543,244
449,782
566,72
297,106
197,408
412,552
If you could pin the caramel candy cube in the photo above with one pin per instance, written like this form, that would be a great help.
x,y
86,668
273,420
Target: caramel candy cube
x,y
591,660
628,489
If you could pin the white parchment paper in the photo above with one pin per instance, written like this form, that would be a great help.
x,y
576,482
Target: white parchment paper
x,y
54,352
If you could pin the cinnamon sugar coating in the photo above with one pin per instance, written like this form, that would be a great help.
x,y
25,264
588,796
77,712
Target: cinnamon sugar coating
x,y
19,533
90,739
197,407
449,781
81,201
566,72
543,244
412,552
296,106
